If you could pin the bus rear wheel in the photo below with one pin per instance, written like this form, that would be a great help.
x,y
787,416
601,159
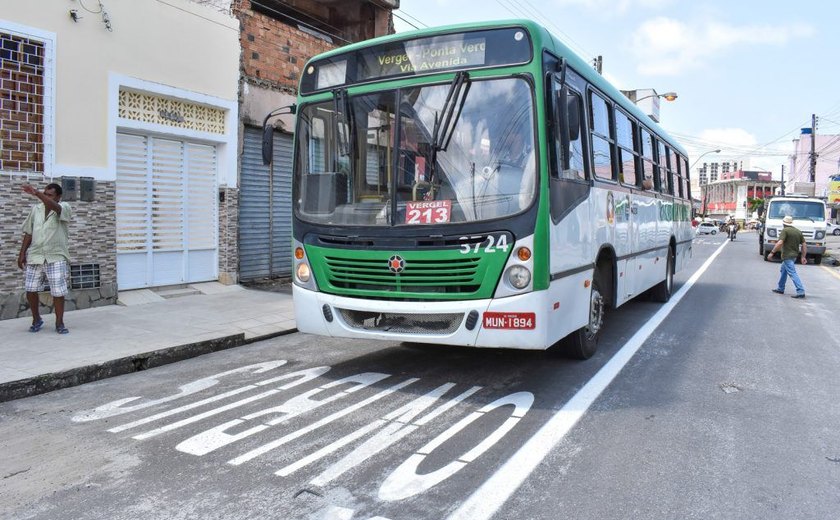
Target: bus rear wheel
x,y
661,292
582,343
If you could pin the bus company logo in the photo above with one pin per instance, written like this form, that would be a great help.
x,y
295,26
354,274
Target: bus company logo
x,y
396,264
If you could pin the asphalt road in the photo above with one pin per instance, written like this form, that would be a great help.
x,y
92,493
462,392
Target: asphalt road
x,y
721,404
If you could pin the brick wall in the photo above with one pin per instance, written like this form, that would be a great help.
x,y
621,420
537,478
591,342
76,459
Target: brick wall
x,y
21,104
92,241
274,51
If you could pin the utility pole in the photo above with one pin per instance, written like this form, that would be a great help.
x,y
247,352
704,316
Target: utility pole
x,y
813,168
783,180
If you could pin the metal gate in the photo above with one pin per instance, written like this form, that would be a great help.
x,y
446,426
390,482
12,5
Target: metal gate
x,y
167,213
265,209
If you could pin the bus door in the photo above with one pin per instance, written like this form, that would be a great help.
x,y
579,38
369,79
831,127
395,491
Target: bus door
x,y
569,184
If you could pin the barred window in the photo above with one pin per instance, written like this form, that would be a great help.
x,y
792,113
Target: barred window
x,y
23,99
84,276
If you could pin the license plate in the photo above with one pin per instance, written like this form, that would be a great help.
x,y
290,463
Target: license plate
x,y
509,320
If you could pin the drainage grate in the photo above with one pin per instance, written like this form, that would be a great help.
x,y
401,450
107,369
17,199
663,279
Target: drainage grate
x,y
84,276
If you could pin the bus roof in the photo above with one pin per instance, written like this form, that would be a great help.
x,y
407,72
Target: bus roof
x,y
543,39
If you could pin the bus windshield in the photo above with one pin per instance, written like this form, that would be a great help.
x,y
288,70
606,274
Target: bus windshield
x,y
378,160
807,210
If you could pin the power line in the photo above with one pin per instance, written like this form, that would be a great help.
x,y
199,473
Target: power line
x,y
197,15
412,17
518,10
301,22
403,19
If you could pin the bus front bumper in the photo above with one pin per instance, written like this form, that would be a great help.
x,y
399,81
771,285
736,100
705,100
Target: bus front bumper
x,y
440,322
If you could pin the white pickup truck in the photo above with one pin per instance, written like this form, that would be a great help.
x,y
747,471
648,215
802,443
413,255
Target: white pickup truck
x,y
808,216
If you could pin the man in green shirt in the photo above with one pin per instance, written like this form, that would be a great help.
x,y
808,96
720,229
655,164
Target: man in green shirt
x,y
44,255
792,244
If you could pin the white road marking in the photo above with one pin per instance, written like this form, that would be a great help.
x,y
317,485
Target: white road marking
x,y
217,437
405,481
305,375
395,426
116,407
492,495
392,433
265,448
342,513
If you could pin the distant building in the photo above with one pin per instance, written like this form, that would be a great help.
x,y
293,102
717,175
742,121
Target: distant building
x,y
730,196
710,172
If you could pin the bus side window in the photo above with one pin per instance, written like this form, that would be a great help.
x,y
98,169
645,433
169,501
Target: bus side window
x,y
625,137
569,138
602,141
676,175
662,168
647,160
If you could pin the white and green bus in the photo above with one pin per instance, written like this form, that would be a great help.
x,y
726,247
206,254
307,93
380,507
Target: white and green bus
x,y
478,185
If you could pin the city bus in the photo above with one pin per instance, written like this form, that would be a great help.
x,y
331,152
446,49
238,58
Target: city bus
x,y
478,185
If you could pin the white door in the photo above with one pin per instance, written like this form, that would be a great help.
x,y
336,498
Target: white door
x,y
166,208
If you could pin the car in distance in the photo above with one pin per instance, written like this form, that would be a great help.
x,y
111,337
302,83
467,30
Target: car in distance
x,y
832,229
706,228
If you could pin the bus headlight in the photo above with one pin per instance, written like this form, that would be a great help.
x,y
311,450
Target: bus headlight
x,y
819,234
519,276
771,232
303,273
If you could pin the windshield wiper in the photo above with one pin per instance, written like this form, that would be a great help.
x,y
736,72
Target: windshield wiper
x,y
342,109
447,118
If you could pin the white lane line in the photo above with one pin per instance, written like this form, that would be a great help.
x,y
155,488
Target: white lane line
x,y
496,490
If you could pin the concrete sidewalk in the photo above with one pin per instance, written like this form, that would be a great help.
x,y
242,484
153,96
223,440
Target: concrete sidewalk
x,y
145,331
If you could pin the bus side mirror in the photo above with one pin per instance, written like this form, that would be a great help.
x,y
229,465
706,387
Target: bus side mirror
x,y
268,144
573,114
569,106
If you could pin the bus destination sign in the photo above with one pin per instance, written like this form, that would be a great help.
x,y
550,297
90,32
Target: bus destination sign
x,y
427,56
418,56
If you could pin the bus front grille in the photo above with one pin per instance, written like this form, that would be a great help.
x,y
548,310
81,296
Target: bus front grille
x,y
459,276
402,323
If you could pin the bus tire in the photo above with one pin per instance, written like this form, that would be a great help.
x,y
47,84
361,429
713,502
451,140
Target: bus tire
x,y
817,259
661,292
582,343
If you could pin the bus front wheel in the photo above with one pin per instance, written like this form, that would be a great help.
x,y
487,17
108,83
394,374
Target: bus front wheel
x,y
582,343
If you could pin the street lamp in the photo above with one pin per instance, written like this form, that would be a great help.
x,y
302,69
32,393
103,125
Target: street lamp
x,y
701,156
668,96
703,188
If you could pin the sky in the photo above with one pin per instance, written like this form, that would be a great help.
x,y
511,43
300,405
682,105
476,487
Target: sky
x,y
748,73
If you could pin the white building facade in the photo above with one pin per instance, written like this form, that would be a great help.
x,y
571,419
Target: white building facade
x,y
131,106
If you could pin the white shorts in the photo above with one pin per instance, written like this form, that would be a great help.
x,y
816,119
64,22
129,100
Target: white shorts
x,y
54,276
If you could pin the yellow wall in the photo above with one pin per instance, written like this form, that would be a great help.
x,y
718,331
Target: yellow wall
x,y
176,43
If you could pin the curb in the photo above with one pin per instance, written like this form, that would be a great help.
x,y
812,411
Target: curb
x,y
44,383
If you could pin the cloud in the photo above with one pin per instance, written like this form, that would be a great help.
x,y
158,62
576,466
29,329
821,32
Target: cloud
x,y
734,144
729,137
668,47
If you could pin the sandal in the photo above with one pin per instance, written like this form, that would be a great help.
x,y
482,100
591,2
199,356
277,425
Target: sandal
x,y
61,329
36,326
